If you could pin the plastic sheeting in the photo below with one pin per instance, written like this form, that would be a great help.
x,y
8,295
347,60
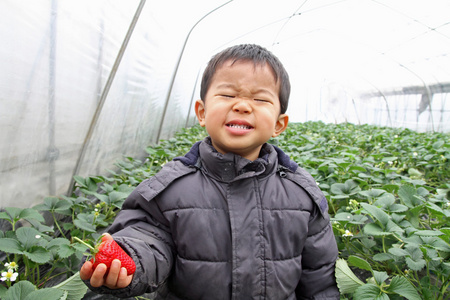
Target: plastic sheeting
x,y
84,83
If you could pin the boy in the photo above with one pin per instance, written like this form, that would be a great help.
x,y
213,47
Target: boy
x,y
234,218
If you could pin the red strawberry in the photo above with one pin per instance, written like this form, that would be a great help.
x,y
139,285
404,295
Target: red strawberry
x,y
106,251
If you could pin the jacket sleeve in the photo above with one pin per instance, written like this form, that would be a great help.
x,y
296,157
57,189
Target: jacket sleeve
x,y
318,263
320,252
142,231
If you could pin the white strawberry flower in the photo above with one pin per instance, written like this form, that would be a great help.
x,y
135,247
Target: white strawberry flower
x,y
12,265
347,233
9,276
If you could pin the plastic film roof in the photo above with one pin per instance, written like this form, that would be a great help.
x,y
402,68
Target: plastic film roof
x,y
83,83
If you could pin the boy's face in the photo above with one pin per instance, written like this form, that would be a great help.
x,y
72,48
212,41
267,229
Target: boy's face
x,y
241,110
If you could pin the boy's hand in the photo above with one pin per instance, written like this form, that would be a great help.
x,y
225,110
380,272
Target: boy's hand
x,y
116,278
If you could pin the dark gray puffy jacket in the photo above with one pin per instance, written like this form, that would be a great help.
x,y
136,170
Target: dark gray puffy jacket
x,y
213,226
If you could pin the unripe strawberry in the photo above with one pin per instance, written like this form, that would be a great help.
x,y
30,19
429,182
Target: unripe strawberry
x,y
105,252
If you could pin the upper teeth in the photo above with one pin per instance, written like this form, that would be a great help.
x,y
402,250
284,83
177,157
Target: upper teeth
x,y
239,126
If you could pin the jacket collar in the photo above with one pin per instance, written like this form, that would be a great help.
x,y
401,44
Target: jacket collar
x,y
229,167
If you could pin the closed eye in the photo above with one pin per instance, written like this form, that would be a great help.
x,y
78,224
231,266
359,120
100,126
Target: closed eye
x,y
262,100
227,96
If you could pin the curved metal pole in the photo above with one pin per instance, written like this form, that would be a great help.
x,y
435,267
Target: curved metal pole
x,y
192,100
384,98
427,90
52,151
158,136
106,89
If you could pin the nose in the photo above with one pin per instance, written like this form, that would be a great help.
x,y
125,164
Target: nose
x,y
242,106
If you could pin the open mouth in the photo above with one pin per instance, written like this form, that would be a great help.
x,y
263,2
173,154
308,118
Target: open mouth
x,y
239,126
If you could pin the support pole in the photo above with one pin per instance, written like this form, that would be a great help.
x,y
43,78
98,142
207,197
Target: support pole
x,y
169,94
105,94
52,151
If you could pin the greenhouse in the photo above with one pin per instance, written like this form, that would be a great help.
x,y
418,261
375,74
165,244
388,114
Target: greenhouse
x,y
98,96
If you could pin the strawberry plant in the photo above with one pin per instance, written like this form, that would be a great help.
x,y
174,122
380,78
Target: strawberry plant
x,y
388,191
388,194
38,255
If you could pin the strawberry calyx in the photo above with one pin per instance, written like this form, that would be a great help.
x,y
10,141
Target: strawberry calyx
x,y
93,250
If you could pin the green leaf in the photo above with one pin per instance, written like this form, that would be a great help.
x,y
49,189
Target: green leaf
x,y
9,245
30,213
392,227
389,158
345,278
3,291
374,230
403,287
38,254
380,277
350,187
90,185
357,168
117,198
55,204
5,216
80,180
84,226
391,188
414,173
385,200
408,194
340,197
79,247
438,145
372,193
398,252
46,293
436,210
415,265
19,290
65,251
102,197
343,216
57,242
376,212
413,214
397,208
39,226
368,243
382,257
359,262
14,212
428,233
369,292
74,286
28,236
446,231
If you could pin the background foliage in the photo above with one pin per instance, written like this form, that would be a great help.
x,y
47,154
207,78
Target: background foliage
x,y
388,191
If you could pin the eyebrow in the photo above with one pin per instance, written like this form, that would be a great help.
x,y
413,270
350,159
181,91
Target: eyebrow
x,y
226,85
232,86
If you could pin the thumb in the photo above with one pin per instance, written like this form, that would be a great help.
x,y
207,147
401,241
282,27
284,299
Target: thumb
x,y
106,237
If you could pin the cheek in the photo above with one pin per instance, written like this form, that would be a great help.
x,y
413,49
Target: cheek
x,y
216,111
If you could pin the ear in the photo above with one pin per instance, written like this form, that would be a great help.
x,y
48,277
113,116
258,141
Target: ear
x,y
200,111
280,125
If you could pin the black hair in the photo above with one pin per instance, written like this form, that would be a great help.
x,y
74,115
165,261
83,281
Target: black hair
x,y
259,56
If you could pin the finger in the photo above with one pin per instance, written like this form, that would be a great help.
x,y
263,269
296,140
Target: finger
x,y
86,271
113,274
106,237
97,278
124,279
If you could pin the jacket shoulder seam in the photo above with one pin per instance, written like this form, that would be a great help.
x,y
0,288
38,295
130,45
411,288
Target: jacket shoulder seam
x,y
154,185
